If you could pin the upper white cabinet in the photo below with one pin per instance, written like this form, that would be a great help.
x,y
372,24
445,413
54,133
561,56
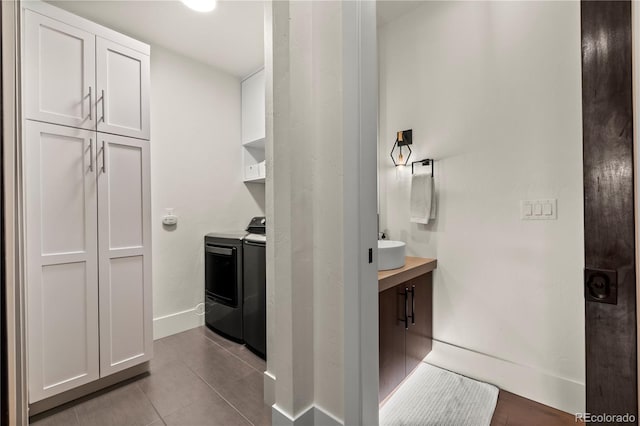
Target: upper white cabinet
x,y
59,72
253,108
253,127
123,82
80,74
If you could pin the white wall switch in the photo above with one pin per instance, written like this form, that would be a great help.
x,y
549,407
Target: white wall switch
x,y
539,209
528,210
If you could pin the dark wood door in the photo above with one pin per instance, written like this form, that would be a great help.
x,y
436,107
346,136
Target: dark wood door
x,y
419,333
4,408
391,339
607,116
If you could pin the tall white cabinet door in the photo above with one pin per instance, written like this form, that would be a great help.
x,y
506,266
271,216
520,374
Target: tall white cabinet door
x,y
62,260
253,108
123,84
59,72
125,252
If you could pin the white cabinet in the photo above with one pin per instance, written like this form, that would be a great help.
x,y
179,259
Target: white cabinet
x,y
253,127
123,84
59,72
83,75
62,261
87,201
89,256
124,202
253,108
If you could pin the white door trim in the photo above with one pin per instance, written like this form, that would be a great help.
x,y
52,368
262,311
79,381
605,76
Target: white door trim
x,y
360,213
360,110
14,220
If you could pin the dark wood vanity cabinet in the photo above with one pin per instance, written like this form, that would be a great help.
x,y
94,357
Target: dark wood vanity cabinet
x,y
405,330
392,339
418,342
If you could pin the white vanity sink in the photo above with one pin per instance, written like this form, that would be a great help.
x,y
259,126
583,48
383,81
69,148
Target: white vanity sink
x,y
391,254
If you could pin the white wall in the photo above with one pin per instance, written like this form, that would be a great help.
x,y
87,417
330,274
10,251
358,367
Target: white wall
x,y
196,169
493,92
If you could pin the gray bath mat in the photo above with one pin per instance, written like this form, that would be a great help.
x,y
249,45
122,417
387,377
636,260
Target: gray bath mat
x,y
433,396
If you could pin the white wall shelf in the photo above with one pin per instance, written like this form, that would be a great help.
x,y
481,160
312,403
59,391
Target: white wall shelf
x,y
258,143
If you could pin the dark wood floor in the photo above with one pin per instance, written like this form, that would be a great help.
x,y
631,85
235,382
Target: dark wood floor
x,y
197,378
514,410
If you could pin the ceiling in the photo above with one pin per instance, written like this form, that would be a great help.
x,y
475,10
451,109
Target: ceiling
x,y
229,38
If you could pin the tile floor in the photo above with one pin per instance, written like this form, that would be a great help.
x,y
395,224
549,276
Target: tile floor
x,y
197,378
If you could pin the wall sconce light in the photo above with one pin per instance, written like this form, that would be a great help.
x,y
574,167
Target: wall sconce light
x,y
403,139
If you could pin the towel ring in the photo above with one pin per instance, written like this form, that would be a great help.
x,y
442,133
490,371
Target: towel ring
x,y
424,162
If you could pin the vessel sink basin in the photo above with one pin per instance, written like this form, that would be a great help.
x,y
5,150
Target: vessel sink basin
x,y
391,254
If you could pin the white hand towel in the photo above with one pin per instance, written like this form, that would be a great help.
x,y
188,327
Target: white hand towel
x,y
423,206
434,197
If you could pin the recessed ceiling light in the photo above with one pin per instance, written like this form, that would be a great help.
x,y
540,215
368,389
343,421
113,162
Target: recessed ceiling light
x,y
200,5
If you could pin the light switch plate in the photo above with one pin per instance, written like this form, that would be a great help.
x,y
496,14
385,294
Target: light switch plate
x,y
545,209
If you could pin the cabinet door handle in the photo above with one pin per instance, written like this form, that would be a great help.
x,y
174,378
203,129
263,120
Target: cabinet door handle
x,y
103,111
406,308
413,305
90,154
90,104
104,159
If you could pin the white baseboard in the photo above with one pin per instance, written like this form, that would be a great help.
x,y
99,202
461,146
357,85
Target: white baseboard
x,y
322,418
312,416
557,392
269,388
175,323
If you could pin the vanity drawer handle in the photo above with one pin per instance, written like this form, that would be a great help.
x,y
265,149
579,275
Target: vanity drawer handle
x,y
413,305
406,308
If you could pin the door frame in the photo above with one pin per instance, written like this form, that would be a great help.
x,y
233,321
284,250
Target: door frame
x,y
360,200
360,113
635,33
609,205
13,214
4,406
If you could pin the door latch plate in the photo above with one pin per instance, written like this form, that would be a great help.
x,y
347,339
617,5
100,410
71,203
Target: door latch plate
x,y
601,285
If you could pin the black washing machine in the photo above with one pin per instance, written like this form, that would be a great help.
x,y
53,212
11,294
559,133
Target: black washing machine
x,y
254,313
254,310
